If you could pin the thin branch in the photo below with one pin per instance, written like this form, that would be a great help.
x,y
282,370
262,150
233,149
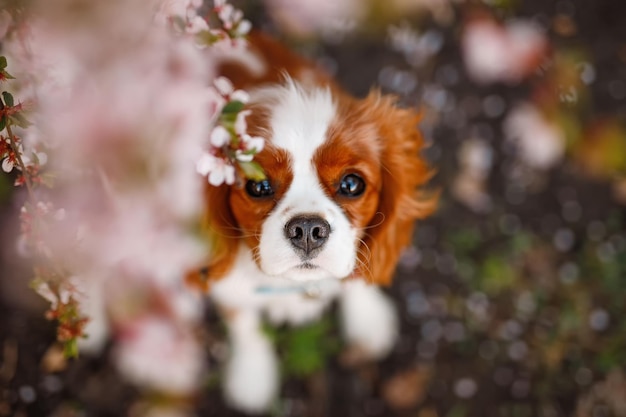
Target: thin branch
x,y
18,156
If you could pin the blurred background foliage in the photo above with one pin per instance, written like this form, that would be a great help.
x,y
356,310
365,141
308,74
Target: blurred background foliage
x,y
512,294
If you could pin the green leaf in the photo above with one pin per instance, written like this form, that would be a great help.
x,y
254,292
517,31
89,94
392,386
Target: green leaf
x,y
3,62
5,75
228,120
20,120
3,122
48,179
457,411
496,275
8,98
465,240
179,22
71,349
521,243
207,38
304,350
252,170
233,107
303,359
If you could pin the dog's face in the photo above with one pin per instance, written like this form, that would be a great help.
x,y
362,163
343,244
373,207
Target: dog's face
x,y
340,195
305,221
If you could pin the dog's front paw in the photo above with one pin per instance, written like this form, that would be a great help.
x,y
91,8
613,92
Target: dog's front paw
x,y
369,321
251,373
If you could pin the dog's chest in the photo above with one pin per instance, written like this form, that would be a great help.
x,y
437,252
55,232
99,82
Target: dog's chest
x,y
245,287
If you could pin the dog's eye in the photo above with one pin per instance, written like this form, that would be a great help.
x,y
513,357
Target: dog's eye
x,y
351,185
259,189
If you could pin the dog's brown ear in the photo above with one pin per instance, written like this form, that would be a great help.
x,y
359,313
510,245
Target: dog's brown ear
x,y
402,201
220,228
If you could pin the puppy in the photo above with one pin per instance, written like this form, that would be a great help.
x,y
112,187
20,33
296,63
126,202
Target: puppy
x,y
341,196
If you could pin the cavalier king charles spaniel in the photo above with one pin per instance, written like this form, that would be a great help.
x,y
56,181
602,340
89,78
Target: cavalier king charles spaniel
x,y
330,221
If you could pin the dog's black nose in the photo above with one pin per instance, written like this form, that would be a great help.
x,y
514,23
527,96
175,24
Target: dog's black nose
x,y
307,233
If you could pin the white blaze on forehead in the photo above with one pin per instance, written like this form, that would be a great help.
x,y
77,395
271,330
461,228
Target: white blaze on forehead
x,y
299,120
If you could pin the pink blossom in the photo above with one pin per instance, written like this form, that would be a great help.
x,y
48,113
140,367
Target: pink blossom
x,y
124,109
196,24
218,170
470,185
44,290
223,86
508,53
229,15
155,354
416,47
306,17
169,8
226,46
249,144
540,143
125,117
187,11
35,158
5,23
232,19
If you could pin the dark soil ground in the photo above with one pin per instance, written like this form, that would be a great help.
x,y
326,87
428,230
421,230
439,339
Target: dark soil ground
x,y
537,351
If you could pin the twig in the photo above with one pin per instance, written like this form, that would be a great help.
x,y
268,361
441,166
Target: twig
x,y
18,156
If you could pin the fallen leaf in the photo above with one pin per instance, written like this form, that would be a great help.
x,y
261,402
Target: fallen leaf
x,y
407,389
54,359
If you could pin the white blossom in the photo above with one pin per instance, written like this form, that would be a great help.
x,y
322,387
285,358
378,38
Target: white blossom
x,y
240,95
7,165
253,143
219,137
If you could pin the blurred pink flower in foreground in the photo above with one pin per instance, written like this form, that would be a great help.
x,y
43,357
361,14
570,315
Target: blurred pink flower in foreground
x,y
155,352
229,144
540,143
124,113
5,22
495,52
328,17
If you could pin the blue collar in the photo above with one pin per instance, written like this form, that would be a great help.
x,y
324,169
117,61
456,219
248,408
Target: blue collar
x,y
310,289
